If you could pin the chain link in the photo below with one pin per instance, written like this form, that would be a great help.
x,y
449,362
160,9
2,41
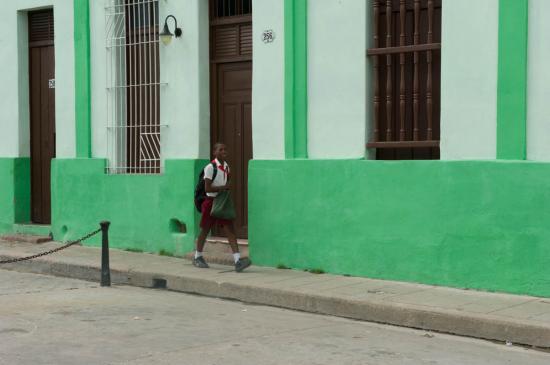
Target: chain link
x,y
11,261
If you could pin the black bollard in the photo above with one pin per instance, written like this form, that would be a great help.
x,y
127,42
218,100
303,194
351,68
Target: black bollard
x,y
105,271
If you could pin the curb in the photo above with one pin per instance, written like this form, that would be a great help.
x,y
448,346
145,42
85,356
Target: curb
x,y
446,321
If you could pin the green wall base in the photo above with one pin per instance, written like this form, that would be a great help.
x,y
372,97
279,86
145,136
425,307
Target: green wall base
x,y
15,192
32,229
468,224
144,210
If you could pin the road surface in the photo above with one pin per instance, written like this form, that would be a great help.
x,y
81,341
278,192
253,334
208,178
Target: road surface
x,y
51,320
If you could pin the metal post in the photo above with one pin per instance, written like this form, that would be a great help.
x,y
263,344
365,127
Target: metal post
x,y
105,271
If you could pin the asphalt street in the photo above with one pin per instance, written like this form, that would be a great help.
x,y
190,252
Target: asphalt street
x,y
51,320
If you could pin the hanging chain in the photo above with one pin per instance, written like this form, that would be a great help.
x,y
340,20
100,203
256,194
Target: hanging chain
x,y
72,243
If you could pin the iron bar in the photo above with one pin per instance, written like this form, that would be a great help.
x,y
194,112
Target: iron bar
x,y
402,76
389,83
429,86
416,91
105,269
133,86
376,101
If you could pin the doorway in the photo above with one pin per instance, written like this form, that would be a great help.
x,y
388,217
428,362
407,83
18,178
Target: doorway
x,y
42,111
231,94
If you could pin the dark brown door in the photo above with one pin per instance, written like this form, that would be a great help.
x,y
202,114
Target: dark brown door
x,y
234,128
42,110
231,94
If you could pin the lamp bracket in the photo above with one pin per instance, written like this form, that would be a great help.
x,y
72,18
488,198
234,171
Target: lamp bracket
x,y
177,32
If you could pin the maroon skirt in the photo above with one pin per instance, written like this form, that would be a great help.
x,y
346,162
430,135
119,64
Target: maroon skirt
x,y
207,221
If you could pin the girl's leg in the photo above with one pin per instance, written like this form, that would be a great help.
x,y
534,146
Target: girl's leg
x,y
201,239
229,230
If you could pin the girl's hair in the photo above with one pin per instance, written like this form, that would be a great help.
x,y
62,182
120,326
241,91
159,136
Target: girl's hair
x,y
217,145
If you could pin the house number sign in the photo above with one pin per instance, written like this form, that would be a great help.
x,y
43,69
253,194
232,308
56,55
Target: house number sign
x,y
51,83
268,36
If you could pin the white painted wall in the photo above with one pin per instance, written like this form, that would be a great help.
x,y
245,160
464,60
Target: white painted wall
x,y
184,66
469,66
14,73
185,104
337,79
538,81
268,81
98,61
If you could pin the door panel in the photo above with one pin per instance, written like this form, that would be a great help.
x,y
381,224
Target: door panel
x,y
36,150
231,94
233,126
42,103
48,133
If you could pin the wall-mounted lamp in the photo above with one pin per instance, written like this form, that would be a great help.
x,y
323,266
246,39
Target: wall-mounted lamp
x,y
166,35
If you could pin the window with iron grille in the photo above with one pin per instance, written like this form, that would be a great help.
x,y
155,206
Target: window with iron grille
x,y
133,87
229,8
406,74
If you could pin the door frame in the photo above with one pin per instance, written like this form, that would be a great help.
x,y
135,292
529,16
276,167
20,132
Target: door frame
x,y
43,41
215,64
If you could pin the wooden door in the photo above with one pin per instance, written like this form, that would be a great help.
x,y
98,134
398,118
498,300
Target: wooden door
x,y
42,112
234,128
231,94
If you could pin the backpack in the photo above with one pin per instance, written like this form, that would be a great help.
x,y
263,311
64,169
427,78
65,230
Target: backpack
x,y
200,189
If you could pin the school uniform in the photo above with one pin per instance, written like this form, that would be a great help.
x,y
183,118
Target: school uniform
x,y
222,176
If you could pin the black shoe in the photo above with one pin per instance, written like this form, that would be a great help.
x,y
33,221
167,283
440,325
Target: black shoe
x,y
199,262
242,264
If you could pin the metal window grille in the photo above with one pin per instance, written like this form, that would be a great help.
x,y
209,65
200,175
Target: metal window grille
x,y
228,8
406,70
133,87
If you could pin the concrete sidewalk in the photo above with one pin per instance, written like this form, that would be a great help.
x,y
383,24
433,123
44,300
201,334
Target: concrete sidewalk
x,y
518,319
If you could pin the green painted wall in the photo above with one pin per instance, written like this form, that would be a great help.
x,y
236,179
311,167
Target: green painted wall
x,y
7,216
512,79
472,224
296,79
22,190
82,78
15,192
139,207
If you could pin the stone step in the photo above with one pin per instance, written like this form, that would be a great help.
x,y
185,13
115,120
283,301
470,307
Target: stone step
x,y
29,238
218,251
32,229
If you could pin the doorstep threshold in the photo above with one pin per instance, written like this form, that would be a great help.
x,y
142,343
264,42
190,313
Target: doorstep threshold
x,y
218,239
30,228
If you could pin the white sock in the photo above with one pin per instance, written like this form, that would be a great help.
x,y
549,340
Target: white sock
x,y
236,257
198,254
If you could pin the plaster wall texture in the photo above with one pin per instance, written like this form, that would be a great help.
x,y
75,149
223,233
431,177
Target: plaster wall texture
x,y
268,81
538,79
467,224
6,194
468,82
152,205
184,68
185,104
337,80
14,192
14,73
98,65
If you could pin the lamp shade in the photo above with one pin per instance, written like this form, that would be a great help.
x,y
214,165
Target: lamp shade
x,y
166,35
